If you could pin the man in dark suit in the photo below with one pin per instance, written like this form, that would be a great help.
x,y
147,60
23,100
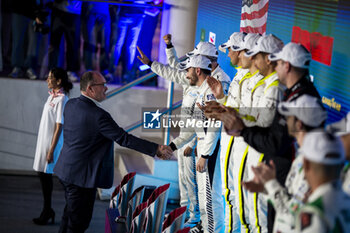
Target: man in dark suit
x,y
86,159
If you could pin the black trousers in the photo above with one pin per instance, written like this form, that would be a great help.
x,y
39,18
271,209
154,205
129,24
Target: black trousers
x,y
78,210
66,24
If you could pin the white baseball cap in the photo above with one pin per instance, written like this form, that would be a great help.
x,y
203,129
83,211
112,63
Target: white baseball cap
x,y
306,108
234,42
249,40
322,147
198,61
205,49
296,54
267,44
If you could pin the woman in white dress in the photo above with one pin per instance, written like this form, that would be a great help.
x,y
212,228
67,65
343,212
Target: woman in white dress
x,y
50,138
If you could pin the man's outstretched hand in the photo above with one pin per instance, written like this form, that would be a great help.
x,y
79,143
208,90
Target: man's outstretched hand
x,y
164,152
143,58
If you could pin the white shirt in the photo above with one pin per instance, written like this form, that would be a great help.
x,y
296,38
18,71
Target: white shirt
x,y
93,100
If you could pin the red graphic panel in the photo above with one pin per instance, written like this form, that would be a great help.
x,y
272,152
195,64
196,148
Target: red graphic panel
x,y
321,47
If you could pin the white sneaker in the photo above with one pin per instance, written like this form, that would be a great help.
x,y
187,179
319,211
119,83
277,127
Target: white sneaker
x,y
72,76
30,73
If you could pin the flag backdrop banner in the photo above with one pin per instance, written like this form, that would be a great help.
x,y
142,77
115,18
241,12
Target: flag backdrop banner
x,y
254,16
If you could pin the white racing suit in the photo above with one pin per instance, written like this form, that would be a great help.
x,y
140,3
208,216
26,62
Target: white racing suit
x,y
186,164
287,199
232,223
239,147
265,95
209,182
189,96
254,95
327,210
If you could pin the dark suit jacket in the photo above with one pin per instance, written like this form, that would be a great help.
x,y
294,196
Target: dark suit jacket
x,y
86,159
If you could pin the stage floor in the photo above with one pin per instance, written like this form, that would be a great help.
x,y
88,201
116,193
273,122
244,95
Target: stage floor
x,y
21,200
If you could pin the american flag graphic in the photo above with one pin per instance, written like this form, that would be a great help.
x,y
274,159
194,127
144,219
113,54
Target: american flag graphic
x,y
254,16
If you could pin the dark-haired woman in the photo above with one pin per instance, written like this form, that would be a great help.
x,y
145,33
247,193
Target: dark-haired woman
x,y
50,138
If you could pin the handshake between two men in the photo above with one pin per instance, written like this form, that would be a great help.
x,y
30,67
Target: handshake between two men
x,y
164,152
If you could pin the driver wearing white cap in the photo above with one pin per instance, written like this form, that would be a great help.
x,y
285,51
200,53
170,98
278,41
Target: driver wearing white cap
x,y
232,99
208,50
186,155
239,97
268,91
328,207
233,45
198,69
242,93
264,94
